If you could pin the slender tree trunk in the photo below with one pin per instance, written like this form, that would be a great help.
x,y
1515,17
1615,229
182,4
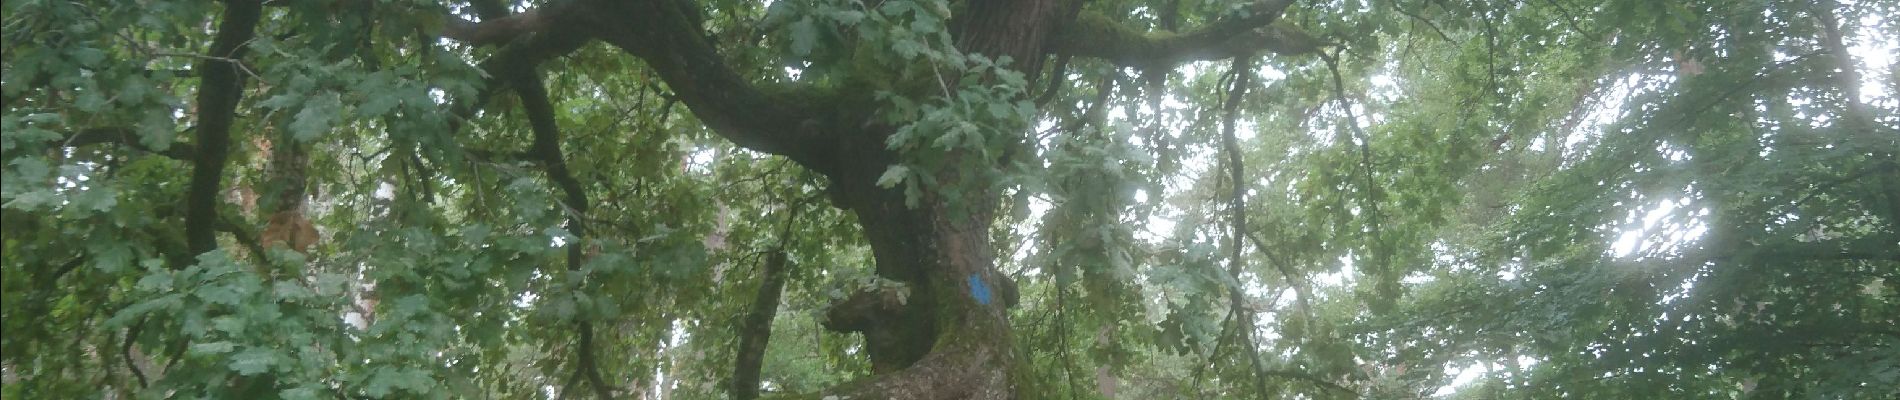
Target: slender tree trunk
x,y
756,333
218,98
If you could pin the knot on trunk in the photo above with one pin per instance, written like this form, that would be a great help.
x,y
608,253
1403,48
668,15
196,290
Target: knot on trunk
x,y
859,311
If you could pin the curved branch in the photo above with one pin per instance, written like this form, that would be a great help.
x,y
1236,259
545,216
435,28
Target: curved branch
x,y
538,43
668,36
515,68
497,26
546,148
512,61
1422,20
239,231
1237,206
1095,35
125,352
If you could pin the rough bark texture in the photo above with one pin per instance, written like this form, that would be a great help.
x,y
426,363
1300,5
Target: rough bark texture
x,y
945,343
1014,28
287,177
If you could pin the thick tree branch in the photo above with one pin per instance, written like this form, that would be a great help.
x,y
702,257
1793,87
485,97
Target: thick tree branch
x,y
495,30
1095,35
524,56
515,60
856,313
667,35
1018,29
218,97
546,149
516,57
1252,16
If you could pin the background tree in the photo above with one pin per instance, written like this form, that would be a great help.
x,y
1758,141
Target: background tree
x,y
950,199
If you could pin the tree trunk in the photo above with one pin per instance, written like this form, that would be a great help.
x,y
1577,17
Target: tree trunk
x,y
756,332
951,339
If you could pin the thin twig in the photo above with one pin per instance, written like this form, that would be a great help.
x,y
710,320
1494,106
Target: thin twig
x,y
239,63
125,351
1428,23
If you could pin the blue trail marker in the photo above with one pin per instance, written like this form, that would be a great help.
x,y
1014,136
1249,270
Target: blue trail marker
x,y
978,290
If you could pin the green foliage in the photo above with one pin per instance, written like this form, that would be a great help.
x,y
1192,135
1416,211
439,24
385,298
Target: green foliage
x,y
1570,198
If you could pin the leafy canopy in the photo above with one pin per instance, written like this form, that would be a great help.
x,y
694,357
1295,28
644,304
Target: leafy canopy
x,y
1473,199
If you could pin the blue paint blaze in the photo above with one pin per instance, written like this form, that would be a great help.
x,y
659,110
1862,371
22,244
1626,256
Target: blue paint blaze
x,y
978,290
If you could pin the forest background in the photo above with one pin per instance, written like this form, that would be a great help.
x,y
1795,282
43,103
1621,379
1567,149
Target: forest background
x,y
937,199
